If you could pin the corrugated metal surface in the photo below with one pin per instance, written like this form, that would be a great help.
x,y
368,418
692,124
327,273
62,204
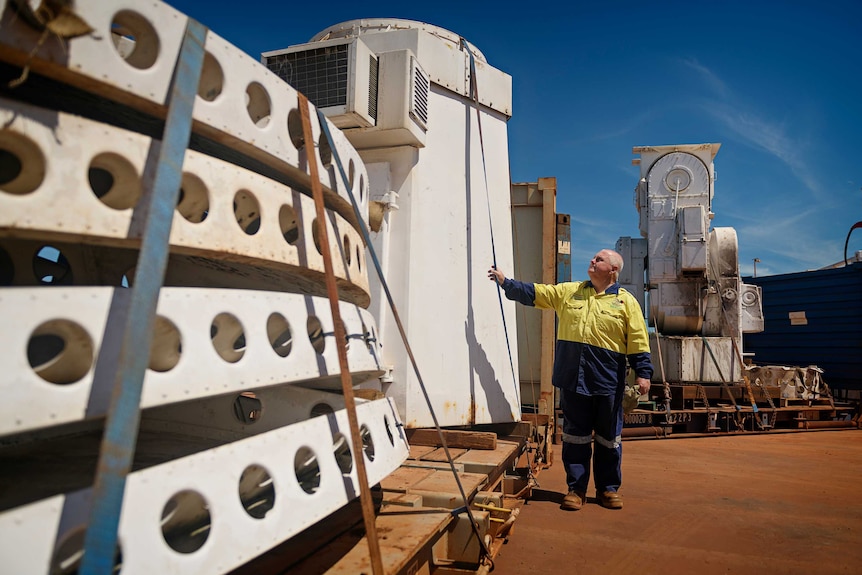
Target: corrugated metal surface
x,y
813,318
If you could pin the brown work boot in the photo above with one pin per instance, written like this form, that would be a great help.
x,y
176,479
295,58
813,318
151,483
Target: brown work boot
x,y
573,501
610,499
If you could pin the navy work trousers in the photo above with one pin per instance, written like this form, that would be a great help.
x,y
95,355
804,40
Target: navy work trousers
x,y
583,414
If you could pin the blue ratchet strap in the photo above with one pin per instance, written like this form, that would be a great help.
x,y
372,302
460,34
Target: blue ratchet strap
x,y
366,236
474,95
123,417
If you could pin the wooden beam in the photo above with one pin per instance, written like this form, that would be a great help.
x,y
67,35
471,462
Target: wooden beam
x,y
548,188
454,439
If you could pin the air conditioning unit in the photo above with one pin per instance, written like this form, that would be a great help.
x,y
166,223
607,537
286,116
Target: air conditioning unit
x,y
378,100
338,76
403,103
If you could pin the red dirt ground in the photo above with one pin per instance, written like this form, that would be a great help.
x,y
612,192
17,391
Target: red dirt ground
x,y
788,504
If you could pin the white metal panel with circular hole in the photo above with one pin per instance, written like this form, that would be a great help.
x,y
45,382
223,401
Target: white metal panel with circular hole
x,y
248,107
55,197
59,341
233,536
130,58
142,72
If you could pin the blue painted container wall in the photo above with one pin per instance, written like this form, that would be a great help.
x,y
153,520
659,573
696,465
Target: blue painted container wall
x,y
832,337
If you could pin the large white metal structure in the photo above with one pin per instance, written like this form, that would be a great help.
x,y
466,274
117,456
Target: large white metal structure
x,y
241,442
696,300
428,115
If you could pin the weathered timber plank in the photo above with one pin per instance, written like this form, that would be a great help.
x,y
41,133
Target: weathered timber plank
x,y
489,462
405,536
402,499
445,465
404,477
439,454
444,482
454,438
419,451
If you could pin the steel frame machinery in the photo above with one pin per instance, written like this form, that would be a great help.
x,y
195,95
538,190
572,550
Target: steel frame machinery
x,y
686,277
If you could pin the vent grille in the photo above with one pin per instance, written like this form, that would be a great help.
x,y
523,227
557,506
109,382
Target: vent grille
x,y
320,74
421,86
372,86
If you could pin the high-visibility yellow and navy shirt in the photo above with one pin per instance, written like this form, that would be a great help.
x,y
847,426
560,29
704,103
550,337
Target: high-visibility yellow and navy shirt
x,y
597,333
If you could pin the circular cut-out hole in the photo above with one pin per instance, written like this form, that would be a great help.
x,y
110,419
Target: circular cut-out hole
x,y
60,351
280,337
289,225
388,427
294,129
307,470
228,337
186,521
212,79
343,455
67,557
367,442
193,203
166,348
315,235
10,167
7,268
324,149
315,334
114,181
247,408
321,409
358,258
246,209
135,39
351,173
22,164
256,491
361,187
347,255
51,267
257,104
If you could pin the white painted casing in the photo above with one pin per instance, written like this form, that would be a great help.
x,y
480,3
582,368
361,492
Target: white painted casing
x,y
438,241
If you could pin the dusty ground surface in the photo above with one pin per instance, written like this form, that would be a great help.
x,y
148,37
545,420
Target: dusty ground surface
x,y
759,504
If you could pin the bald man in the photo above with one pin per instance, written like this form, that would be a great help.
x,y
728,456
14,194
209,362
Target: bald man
x,y
601,331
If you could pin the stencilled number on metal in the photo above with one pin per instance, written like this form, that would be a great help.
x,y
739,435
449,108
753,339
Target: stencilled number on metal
x,y
636,418
673,418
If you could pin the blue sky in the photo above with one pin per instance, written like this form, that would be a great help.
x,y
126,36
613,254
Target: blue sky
x,y
778,84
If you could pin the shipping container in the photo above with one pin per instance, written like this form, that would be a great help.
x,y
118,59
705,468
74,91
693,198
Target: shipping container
x,y
813,318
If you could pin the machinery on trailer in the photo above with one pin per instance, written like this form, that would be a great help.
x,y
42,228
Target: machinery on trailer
x,y
686,278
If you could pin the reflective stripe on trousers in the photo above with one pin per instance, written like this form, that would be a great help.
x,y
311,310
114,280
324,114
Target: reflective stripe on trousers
x,y
584,439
